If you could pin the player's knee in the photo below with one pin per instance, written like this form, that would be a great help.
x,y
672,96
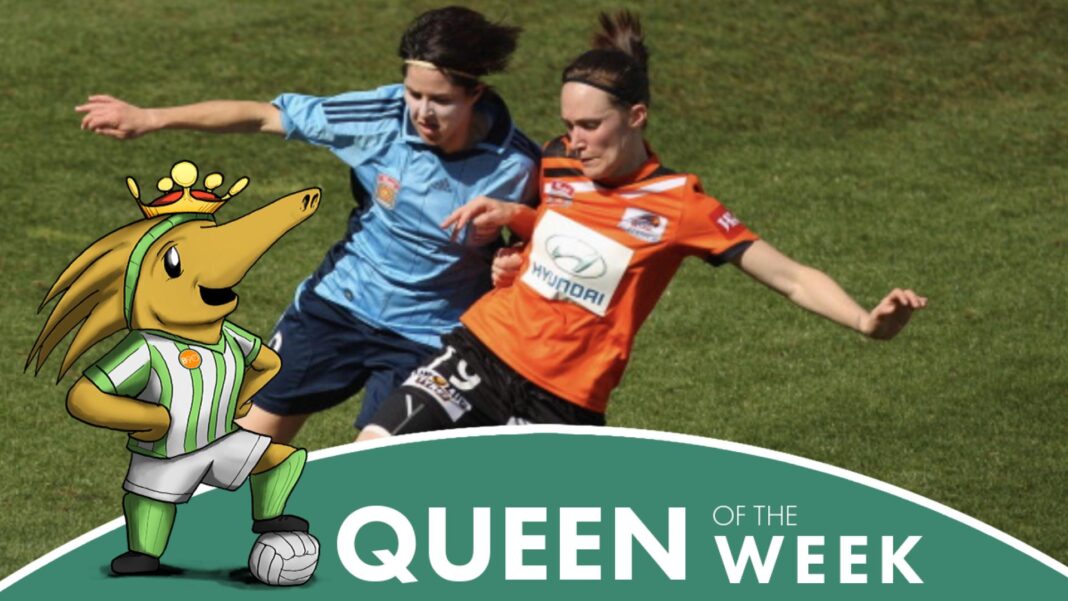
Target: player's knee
x,y
372,432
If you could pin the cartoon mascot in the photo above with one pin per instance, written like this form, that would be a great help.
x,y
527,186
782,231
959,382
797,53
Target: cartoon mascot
x,y
183,373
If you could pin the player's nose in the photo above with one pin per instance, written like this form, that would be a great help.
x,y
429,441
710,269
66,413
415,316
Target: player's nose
x,y
422,108
578,141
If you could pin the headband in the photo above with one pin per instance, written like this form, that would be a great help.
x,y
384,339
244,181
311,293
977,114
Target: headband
x,y
617,92
430,65
137,257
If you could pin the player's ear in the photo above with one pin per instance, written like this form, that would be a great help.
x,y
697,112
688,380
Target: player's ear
x,y
476,93
639,114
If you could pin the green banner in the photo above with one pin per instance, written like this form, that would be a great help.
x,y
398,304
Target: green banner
x,y
527,513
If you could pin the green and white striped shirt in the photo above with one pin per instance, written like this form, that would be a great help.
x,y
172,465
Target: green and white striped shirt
x,y
201,394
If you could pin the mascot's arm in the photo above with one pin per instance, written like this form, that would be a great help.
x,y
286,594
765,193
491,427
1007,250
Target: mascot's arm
x,y
144,421
263,368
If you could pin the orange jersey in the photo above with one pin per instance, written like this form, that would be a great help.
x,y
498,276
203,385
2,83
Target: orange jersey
x,y
597,264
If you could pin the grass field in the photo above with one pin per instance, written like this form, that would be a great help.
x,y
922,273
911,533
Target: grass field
x,y
920,144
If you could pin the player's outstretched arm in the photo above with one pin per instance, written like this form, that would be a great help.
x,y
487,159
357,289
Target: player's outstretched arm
x,y
263,368
109,116
815,291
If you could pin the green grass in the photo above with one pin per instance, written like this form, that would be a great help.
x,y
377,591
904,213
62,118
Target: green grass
x,y
918,144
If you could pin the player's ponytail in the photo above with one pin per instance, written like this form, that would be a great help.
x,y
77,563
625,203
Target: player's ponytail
x,y
618,63
460,42
623,32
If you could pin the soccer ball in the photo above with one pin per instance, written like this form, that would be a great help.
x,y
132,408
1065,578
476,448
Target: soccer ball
x,y
284,558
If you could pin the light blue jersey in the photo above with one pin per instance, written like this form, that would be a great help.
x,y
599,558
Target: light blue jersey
x,y
396,269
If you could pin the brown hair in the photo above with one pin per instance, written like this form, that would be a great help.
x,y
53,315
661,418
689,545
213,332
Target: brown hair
x,y
459,41
618,62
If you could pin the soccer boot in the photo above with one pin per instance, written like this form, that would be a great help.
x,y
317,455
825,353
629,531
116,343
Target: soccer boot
x,y
282,523
132,562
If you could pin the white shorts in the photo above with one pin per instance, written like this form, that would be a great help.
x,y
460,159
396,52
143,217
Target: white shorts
x,y
225,463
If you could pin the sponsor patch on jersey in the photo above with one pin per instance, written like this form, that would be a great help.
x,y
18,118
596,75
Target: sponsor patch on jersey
x,y
727,223
571,262
386,191
189,359
438,387
643,225
559,193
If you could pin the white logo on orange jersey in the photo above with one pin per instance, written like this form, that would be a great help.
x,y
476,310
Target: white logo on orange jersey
x,y
727,221
575,256
643,225
572,262
558,192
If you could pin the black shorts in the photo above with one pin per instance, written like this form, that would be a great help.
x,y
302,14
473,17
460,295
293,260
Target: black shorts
x,y
328,355
465,386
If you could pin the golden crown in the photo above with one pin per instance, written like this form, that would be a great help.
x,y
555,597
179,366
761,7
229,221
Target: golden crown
x,y
185,199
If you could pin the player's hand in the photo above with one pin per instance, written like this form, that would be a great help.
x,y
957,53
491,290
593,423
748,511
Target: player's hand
x,y
892,314
157,430
486,217
114,118
506,266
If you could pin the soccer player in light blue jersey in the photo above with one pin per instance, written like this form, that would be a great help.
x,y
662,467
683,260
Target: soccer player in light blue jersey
x,y
418,150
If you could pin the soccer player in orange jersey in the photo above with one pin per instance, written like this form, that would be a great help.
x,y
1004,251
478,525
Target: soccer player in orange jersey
x,y
613,226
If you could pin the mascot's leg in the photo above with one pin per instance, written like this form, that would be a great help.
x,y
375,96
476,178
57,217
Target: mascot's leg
x,y
148,527
271,482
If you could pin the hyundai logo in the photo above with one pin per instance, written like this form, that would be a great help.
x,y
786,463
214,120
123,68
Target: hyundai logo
x,y
575,256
